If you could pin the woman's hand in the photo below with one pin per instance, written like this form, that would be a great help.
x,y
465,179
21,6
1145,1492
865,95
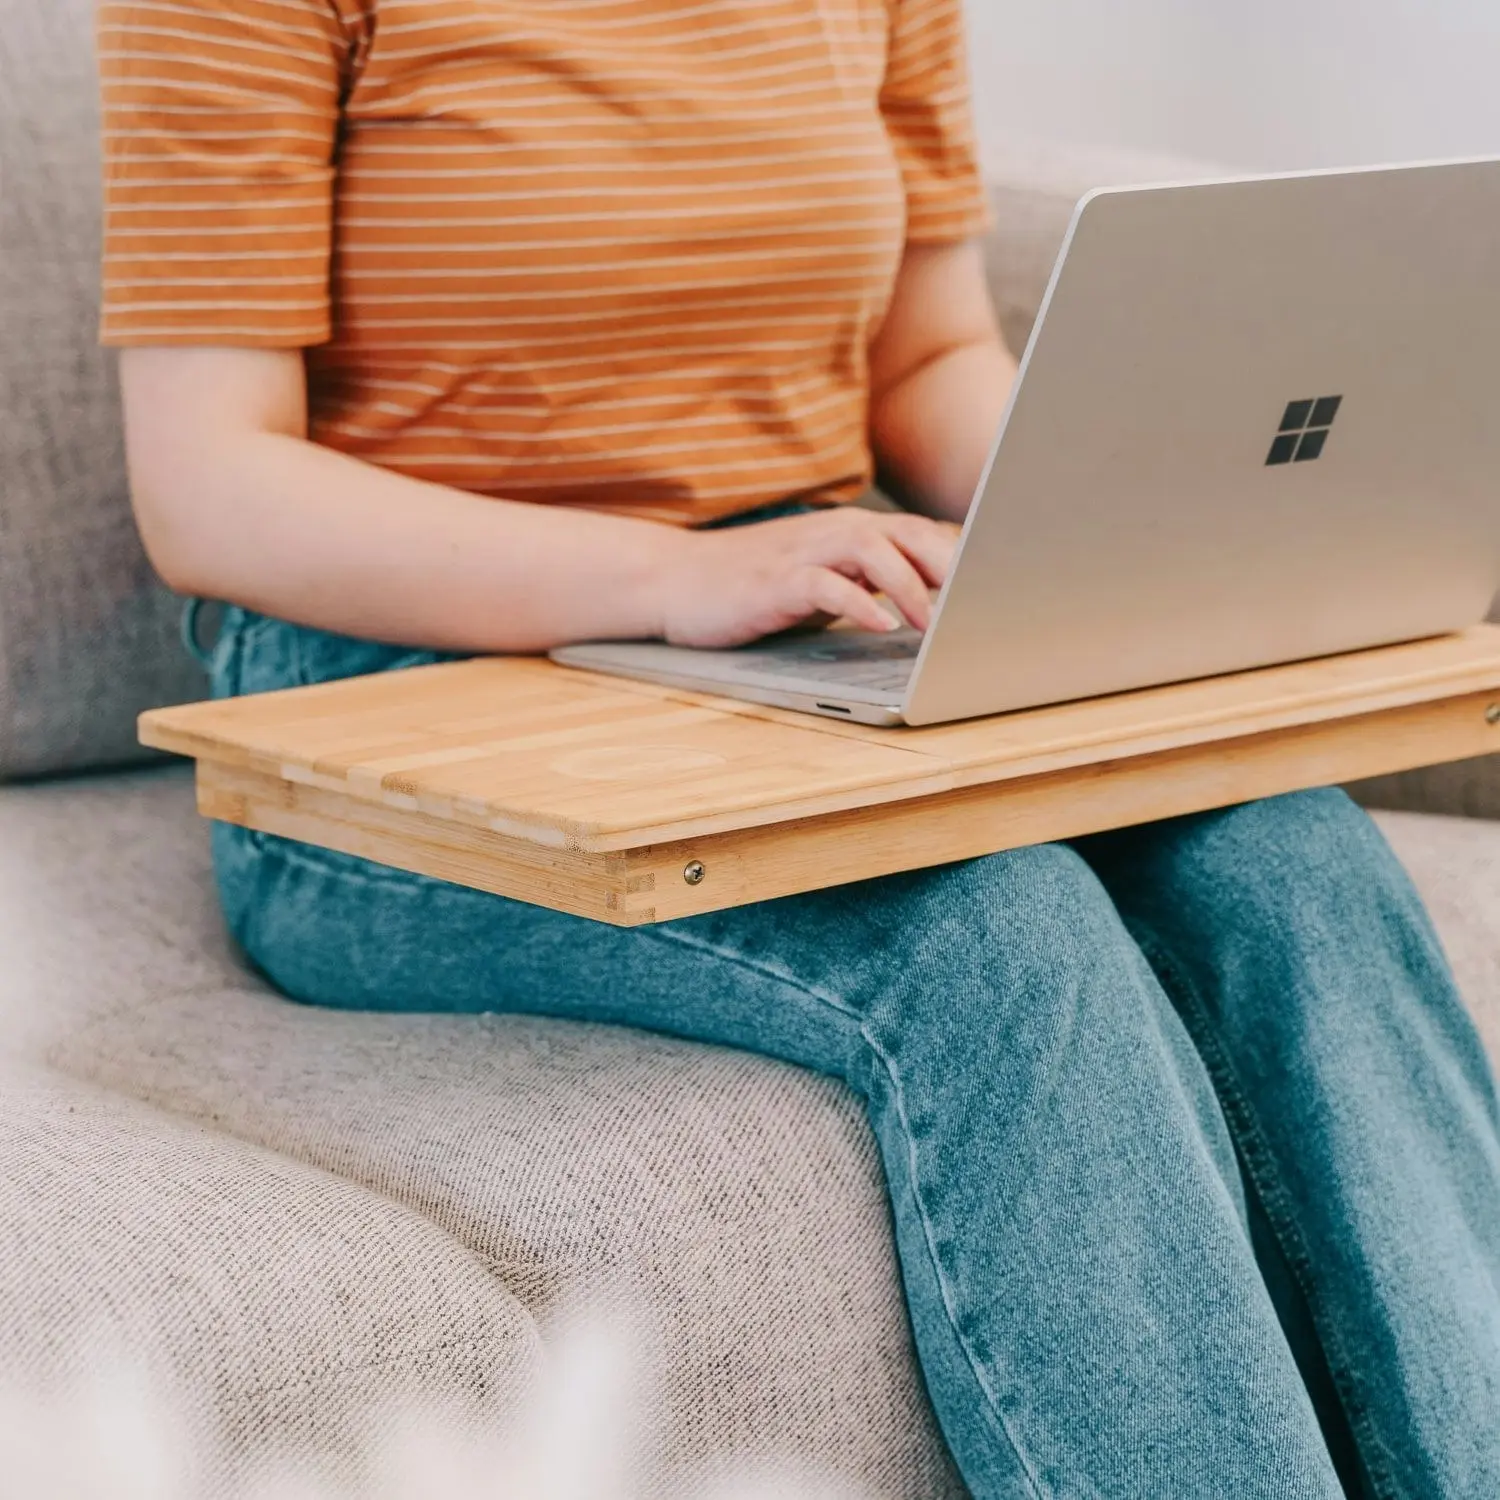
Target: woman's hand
x,y
731,586
235,503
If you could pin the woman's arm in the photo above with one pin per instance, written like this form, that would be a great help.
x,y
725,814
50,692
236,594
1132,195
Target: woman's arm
x,y
235,503
940,379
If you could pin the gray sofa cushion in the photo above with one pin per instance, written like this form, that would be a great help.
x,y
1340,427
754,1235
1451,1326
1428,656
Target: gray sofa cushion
x,y
87,636
735,1202
738,1200
280,1307
1456,865
1465,789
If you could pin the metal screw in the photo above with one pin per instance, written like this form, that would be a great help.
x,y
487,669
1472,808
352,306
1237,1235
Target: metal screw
x,y
695,871
1492,714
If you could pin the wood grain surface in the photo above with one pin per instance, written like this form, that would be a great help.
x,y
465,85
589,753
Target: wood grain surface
x,y
572,762
650,883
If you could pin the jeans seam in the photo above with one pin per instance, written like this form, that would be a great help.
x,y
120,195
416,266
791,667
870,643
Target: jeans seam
x,y
1260,1166
929,1235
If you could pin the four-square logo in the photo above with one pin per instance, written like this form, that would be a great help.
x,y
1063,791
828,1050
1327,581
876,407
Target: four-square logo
x,y
1304,430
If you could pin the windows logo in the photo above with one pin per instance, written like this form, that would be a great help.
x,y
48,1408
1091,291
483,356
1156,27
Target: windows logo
x,y
1304,430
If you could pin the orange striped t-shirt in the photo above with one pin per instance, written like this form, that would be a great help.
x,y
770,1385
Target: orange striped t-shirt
x,y
625,254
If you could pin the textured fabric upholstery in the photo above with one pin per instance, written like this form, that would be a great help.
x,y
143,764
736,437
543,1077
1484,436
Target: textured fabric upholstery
x,y
1465,789
736,1201
1456,865
277,1304
87,637
733,1203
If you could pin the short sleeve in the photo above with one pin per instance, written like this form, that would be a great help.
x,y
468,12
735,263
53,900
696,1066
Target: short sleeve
x,y
928,109
220,119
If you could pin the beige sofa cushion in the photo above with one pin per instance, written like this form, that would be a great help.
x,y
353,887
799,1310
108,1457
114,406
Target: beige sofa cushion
x,y
280,1306
1465,789
736,1202
1456,865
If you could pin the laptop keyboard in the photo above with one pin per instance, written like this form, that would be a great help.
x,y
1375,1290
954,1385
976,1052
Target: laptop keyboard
x,y
852,658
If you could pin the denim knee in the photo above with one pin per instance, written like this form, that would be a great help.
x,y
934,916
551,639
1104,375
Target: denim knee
x,y
1302,833
1041,904
1275,867
1000,956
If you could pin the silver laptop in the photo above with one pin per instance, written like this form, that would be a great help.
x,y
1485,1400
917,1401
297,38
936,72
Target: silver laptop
x,y
1258,421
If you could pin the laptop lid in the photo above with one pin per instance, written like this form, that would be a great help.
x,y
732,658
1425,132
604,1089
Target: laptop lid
x,y
1258,421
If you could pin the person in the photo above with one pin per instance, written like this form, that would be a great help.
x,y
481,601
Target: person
x,y
455,328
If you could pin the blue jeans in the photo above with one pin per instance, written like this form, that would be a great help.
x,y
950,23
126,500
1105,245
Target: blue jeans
x,y
1191,1146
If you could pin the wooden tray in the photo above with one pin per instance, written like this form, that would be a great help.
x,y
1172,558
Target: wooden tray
x,y
630,803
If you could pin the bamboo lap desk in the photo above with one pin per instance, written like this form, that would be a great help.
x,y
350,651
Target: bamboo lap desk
x,y
631,803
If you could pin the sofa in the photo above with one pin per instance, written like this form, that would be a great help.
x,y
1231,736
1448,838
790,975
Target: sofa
x,y
299,1218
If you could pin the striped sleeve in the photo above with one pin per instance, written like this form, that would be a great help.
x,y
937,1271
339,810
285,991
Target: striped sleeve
x,y
219,124
928,111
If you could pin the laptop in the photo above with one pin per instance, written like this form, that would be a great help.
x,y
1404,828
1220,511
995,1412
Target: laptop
x,y
1258,421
